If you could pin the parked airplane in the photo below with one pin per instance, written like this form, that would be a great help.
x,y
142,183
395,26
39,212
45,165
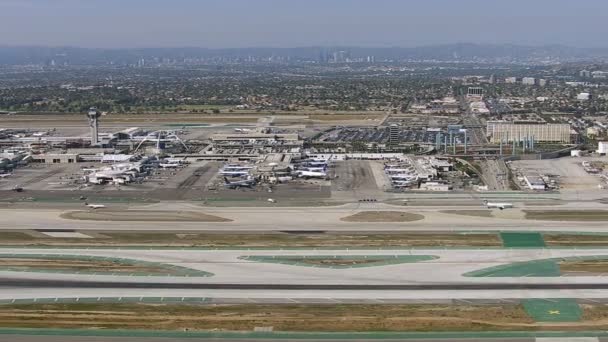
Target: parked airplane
x,y
313,169
245,183
236,173
94,206
169,165
500,206
311,174
4,175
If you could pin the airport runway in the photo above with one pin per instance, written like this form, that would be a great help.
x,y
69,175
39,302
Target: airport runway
x,y
313,218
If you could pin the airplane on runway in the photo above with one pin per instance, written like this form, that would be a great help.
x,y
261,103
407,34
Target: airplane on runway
x,y
4,175
95,206
245,183
500,206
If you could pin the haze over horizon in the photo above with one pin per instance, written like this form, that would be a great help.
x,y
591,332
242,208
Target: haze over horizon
x,y
277,23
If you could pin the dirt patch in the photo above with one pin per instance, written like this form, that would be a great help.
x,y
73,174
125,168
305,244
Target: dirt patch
x,y
194,239
280,317
142,215
477,213
382,216
567,215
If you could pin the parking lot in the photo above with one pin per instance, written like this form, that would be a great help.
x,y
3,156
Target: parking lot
x,y
382,135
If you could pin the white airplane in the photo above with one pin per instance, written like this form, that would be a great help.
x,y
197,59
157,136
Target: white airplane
x,y
95,206
311,174
234,172
4,175
168,165
236,167
313,169
243,130
497,205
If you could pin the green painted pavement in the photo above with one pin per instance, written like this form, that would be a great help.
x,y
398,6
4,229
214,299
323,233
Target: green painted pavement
x,y
300,335
172,270
376,260
532,268
553,310
522,239
535,268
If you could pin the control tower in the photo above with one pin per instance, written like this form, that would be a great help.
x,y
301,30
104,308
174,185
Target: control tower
x,y
93,116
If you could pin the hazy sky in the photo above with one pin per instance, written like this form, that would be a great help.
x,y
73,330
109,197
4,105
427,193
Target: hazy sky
x,y
290,23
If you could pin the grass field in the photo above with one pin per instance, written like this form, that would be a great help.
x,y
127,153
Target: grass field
x,y
75,265
583,240
477,213
567,215
193,239
599,266
142,215
382,216
279,317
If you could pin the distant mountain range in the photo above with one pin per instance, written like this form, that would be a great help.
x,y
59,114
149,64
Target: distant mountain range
x,y
11,55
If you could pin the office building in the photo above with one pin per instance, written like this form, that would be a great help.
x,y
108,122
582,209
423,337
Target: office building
x,y
475,92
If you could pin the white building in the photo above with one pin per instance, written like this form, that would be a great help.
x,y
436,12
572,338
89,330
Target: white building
x,y
583,97
535,182
602,147
499,131
511,80
528,81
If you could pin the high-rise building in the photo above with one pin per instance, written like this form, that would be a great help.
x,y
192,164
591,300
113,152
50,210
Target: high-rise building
x,y
511,80
542,82
393,134
585,73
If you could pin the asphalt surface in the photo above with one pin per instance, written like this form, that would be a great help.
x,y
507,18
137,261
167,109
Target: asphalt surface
x,y
41,283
